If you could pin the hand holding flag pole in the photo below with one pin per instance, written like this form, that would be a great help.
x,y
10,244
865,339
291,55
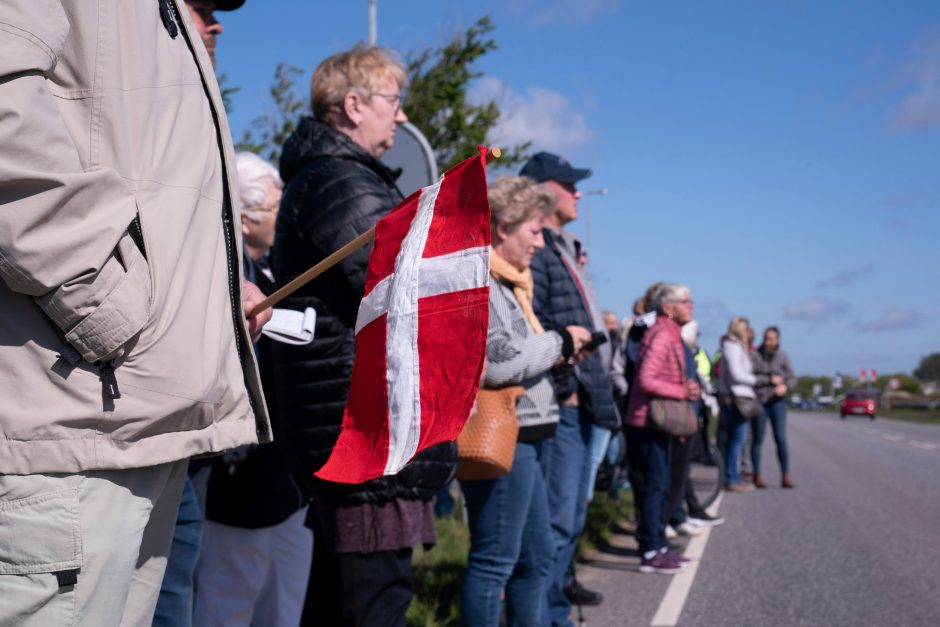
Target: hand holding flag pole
x,y
333,259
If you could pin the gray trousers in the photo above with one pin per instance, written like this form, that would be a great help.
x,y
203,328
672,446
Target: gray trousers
x,y
86,549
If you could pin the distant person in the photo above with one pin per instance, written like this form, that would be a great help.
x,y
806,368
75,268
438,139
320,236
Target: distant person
x,y
336,189
698,448
660,373
774,379
511,544
736,381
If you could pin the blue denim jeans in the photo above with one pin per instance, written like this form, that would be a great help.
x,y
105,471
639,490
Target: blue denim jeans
x,y
510,544
737,432
600,440
776,410
566,465
175,603
648,453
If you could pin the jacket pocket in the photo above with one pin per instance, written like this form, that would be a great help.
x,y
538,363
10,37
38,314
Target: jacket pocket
x,y
40,534
100,314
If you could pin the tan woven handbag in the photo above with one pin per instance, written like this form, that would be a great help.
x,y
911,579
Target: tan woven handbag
x,y
486,446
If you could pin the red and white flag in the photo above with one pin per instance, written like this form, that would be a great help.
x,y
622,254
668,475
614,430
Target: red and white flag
x,y
421,329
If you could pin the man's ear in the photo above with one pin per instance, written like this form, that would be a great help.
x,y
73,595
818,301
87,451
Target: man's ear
x,y
352,107
245,221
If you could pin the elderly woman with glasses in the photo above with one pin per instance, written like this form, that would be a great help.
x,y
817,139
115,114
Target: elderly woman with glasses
x,y
510,529
660,373
336,188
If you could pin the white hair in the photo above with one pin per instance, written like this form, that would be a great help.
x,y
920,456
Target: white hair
x,y
667,293
254,176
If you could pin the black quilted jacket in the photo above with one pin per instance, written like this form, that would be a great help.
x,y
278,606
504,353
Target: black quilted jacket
x,y
334,191
557,303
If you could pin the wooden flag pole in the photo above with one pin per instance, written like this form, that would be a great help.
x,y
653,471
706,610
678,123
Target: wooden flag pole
x,y
332,260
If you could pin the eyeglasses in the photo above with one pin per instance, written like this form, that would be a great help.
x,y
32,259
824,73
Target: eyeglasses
x,y
393,99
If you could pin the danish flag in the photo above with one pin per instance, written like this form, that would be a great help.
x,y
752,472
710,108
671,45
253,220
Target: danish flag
x,y
421,328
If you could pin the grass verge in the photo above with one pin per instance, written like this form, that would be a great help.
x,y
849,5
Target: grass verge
x,y
438,573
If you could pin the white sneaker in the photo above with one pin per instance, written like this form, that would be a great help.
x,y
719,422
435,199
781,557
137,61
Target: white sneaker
x,y
688,529
710,521
671,533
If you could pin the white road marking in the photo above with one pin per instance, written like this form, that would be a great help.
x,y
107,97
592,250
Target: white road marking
x,y
891,437
923,444
670,608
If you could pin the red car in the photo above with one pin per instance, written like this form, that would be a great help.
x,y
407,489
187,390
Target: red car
x,y
858,403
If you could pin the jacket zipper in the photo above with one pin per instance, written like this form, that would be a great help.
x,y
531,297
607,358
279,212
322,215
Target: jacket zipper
x,y
231,254
109,384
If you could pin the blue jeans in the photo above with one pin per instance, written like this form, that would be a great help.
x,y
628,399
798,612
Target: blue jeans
x,y
600,439
175,603
648,453
776,410
510,544
566,465
737,432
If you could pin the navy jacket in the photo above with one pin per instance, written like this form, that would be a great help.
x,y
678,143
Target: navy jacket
x,y
558,303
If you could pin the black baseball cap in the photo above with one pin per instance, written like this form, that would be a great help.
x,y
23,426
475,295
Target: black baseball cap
x,y
227,5
546,166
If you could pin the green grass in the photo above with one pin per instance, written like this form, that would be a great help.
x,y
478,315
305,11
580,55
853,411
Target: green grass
x,y
438,573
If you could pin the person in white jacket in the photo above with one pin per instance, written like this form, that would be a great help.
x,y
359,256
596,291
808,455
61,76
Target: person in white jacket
x,y
736,382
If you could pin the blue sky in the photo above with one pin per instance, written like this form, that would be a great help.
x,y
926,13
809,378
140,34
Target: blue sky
x,y
780,158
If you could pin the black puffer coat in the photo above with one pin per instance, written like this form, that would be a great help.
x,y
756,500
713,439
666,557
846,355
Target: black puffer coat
x,y
335,190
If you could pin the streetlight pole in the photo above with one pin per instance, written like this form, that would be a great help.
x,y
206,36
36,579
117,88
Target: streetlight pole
x,y
373,23
602,191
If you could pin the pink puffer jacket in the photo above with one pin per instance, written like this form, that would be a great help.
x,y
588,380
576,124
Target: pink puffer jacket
x,y
660,371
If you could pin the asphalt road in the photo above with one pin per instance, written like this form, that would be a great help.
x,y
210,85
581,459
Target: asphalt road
x,y
856,543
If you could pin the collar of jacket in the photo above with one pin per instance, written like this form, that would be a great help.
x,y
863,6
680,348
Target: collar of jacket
x,y
313,139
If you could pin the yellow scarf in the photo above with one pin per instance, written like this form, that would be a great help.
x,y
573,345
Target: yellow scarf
x,y
521,281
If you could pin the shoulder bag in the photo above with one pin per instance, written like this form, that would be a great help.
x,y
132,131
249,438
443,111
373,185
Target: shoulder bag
x,y
672,416
487,445
748,407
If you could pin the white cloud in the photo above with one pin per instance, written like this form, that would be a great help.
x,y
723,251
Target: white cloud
x,y
843,278
921,108
568,12
544,117
815,310
892,320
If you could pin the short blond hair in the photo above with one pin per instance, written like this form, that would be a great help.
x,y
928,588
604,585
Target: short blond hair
x,y
361,69
516,199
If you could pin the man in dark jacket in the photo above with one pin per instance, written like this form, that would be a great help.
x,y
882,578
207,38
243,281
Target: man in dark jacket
x,y
563,297
336,189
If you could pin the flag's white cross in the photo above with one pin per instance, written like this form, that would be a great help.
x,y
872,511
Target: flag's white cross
x,y
397,295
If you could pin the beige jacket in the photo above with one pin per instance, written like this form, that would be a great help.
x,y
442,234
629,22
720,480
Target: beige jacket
x,y
116,244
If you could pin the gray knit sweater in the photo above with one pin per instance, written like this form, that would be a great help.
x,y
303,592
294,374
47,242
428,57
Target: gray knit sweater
x,y
516,355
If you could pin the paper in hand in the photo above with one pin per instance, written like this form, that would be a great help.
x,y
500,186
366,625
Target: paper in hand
x,y
291,327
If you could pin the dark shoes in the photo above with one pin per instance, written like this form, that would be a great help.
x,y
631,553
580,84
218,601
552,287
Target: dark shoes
x,y
579,595
758,481
786,482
